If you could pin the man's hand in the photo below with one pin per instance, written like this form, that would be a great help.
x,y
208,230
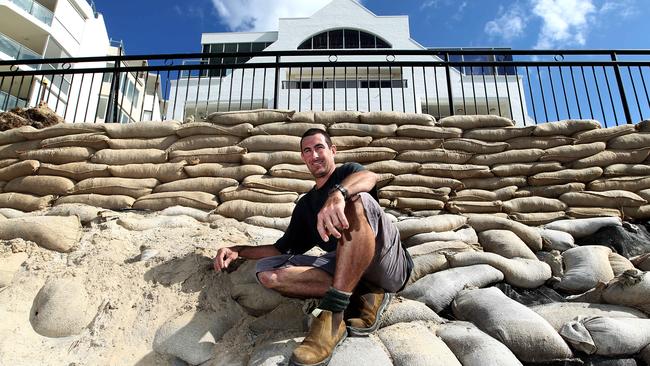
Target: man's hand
x,y
224,257
331,218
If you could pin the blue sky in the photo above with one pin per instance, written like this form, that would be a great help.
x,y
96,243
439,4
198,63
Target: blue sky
x,y
175,26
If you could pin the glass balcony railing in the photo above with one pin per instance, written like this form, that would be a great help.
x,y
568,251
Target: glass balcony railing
x,y
8,102
15,50
40,12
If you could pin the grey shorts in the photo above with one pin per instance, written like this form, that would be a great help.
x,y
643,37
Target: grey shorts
x,y
389,269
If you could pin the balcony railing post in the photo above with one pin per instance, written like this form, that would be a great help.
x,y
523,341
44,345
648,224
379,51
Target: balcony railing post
x,y
621,89
276,91
449,93
115,90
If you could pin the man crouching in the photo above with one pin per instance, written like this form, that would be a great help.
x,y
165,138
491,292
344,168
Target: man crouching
x,y
365,261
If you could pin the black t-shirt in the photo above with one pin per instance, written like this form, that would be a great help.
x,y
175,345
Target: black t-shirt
x,y
301,235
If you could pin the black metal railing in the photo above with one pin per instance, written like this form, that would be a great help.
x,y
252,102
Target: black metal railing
x,y
527,86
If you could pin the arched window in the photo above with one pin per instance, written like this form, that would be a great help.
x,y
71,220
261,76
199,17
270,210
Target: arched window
x,y
343,38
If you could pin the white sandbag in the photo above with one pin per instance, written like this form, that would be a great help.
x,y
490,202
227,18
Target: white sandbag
x,y
10,213
519,272
111,202
76,171
467,235
529,235
589,212
554,260
147,223
556,239
473,347
607,336
60,234
438,223
427,264
438,290
580,228
585,266
524,332
403,310
632,288
163,200
85,213
359,351
60,309
197,214
559,313
444,247
412,344
504,243
254,117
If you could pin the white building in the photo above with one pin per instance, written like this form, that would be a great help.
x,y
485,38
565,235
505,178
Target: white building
x,y
38,29
340,25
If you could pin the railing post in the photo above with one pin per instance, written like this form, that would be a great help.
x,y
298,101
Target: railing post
x,y
113,96
621,89
276,91
448,76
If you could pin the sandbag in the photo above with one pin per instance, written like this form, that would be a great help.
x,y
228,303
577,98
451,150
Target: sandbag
x,y
508,157
609,157
610,199
286,128
494,182
520,272
85,213
237,172
632,288
464,234
278,223
350,142
270,159
536,142
500,194
201,184
295,171
254,117
94,141
438,223
512,324
6,162
157,222
330,117
400,144
129,156
359,129
393,192
159,143
607,336
552,191
627,239
537,218
559,313
418,203
412,344
527,169
19,169
24,202
603,134
619,263
580,228
467,122
165,172
589,212
256,195
565,176
62,129
61,308
632,184
533,204
492,134
112,202
427,264
14,135
438,290
59,155
240,209
40,185
441,247
642,262
402,310
642,212
206,128
399,118
14,150
393,166
456,171
504,243
278,184
56,233
631,141
529,235
76,171
365,155
460,207
584,267
228,154
569,153
428,132
196,142
271,143
163,200
556,239
425,181
186,211
435,156
120,186
565,127
621,170
474,146
141,129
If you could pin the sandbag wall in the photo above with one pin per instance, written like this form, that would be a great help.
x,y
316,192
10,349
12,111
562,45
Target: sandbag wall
x,y
247,164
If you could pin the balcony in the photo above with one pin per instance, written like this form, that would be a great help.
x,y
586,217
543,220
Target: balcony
x,y
32,7
15,50
8,102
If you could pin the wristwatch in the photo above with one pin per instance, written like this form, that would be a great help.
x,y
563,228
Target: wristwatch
x,y
340,188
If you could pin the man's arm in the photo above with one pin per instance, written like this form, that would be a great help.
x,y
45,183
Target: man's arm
x,y
331,217
229,254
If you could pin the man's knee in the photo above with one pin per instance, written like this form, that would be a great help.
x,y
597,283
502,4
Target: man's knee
x,y
269,279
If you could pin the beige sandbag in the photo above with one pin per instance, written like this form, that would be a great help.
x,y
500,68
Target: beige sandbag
x,y
269,159
384,179
608,336
642,212
393,166
163,200
414,345
504,243
529,235
418,203
303,116
129,156
585,267
556,240
572,152
256,195
508,157
24,202
435,156
159,143
56,233
565,176
19,169
519,272
442,247
286,128
609,157
632,184
552,191
406,143
278,184
527,169
165,172
493,183
500,194
401,310
365,155
211,185
580,228
206,128
536,142
330,117
85,213
359,129
456,171
632,288
350,142
621,170
77,171
278,223
6,162
424,181
631,141
196,142
537,218
297,171
439,223
59,155
14,135
240,209
254,117
111,202
459,207
119,186
609,199
565,127
61,308
619,263
40,185
500,134
588,212
427,264
464,234
602,134
13,150
228,154
237,172
533,204
559,313
141,129
393,192
94,141
642,262
474,146
399,118
62,129
467,122
271,143
511,323
428,132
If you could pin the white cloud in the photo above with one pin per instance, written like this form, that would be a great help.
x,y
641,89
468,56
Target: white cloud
x,y
564,22
623,8
262,15
509,26
429,4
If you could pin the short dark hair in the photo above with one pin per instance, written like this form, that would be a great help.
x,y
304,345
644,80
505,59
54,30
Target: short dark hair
x,y
316,131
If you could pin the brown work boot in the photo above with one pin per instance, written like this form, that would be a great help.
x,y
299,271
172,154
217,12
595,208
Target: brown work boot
x,y
319,345
370,302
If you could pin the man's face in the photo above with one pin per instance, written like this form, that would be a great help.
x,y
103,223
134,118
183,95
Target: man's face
x,y
317,155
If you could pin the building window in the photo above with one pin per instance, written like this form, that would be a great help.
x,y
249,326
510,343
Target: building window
x,y
229,48
342,84
147,115
343,38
